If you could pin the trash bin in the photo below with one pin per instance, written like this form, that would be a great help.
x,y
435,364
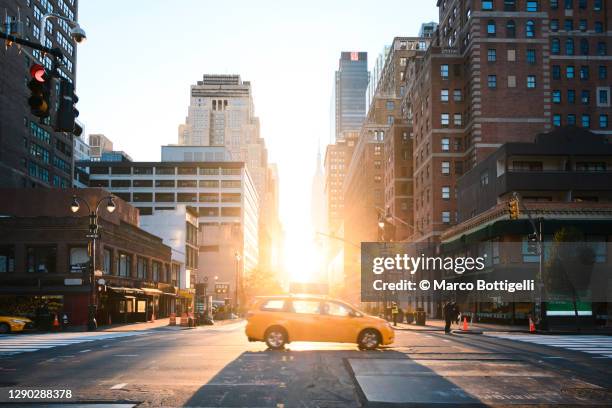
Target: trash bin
x,y
409,317
191,322
420,316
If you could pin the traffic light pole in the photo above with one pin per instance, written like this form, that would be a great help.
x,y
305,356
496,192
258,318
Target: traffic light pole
x,y
55,52
537,231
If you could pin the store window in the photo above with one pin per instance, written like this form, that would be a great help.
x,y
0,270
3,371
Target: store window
x,y
79,259
41,259
7,258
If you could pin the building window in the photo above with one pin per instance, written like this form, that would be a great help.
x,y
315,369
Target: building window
x,y
603,124
603,97
141,268
569,47
598,27
571,96
532,6
457,97
510,29
556,96
491,55
571,119
445,167
584,97
511,81
569,72
444,95
7,258
530,29
124,265
584,72
41,259
554,4
586,121
487,5
554,25
531,56
155,271
603,72
597,5
79,259
446,217
446,193
445,144
457,119
390,105
511,55
509,5
557,120
602,49
491,28
584,46
568,24
444,71
531,81
107,261
492,81
569,4
444,119
555,46
582,25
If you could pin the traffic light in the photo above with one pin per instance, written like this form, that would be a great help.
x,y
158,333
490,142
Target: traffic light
x,y
40,91
66,111
532,243
513,208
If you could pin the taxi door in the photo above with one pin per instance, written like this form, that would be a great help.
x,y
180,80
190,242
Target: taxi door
x,y
336,323
305,322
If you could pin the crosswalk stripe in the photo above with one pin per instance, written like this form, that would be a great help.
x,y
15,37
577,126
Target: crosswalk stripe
x,y
599,345
16,344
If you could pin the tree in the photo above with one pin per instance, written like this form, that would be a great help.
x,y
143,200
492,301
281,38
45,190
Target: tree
x,y
259,283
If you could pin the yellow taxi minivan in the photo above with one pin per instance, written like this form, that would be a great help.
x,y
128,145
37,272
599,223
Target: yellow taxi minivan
x,y
279,320
13,324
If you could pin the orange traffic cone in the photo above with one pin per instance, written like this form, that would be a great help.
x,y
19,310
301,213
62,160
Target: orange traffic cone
x,y
531,326
465,325
56,323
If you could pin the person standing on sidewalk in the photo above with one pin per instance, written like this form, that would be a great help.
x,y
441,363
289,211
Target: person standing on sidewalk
x,y
394,313
450,314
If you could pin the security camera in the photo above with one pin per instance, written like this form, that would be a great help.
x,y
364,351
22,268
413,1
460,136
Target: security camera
x,y
78,34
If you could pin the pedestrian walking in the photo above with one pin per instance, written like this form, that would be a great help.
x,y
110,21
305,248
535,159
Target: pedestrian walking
x,y
451,314
394,313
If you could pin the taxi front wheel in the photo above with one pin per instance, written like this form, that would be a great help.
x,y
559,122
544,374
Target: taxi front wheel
x,y
276,338
369,339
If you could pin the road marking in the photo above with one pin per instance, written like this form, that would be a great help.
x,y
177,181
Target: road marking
x,y
126,355
118,386
85,351
601,345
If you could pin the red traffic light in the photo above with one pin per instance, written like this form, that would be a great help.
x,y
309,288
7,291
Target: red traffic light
x,y
38,72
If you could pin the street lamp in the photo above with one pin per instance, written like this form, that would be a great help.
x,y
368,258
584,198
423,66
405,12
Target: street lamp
x,y
76,32
238,258
93,235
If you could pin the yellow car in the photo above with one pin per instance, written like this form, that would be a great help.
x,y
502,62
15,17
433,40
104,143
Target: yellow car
x,y
10,324
278,320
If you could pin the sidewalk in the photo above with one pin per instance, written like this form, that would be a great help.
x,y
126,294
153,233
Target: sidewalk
x,y
158,324
438,325
477,328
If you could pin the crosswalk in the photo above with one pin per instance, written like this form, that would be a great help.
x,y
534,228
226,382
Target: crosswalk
x,y
596,345
26,343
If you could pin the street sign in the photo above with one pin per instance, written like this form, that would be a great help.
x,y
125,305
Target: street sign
x,y
73,282
101,281
93,236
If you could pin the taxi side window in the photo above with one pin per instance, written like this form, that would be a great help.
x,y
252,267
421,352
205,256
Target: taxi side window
x,y
306,306
336,309
273,305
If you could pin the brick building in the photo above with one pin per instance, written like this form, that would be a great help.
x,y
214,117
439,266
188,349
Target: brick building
x,y
45,259
501,71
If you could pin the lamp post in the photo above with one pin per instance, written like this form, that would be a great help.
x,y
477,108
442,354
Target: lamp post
x,y
76,32
93,236
238,258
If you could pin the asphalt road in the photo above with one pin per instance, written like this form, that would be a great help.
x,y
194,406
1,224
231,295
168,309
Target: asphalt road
x,y
217,366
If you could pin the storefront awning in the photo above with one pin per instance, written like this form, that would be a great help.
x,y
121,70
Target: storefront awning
x,y
125,291
153,292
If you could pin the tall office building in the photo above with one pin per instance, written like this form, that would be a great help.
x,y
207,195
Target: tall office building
x,y
98,144
351,82
221,113
31,153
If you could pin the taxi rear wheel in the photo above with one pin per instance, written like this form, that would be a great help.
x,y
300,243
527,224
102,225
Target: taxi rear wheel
x,y
276,338
4,328
369,339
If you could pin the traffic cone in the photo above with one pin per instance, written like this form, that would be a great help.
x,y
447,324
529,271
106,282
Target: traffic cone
x,y
531,326
465,325
56,323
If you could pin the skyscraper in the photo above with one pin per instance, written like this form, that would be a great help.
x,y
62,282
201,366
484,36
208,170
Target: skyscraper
x,y
31,153
351,82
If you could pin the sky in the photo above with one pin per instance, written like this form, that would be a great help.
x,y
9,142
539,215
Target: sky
x,y
141,56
